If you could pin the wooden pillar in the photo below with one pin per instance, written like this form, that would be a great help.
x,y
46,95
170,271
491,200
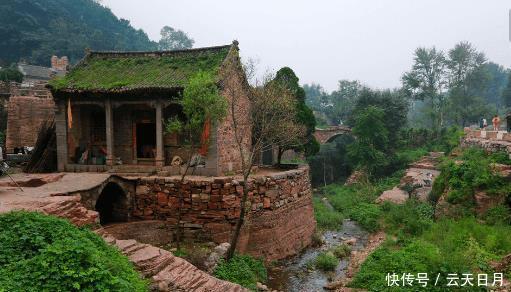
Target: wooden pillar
x,y
109,133
159,135
61,133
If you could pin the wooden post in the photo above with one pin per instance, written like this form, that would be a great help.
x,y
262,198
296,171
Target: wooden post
x,y
159,135
109,133
61,133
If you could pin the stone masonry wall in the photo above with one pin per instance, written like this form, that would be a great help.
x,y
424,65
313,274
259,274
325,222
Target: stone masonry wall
x,y
25,114
491,141
280,222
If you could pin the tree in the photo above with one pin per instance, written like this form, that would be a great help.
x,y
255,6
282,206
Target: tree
x,y
10,74
394,106
34,31
202,106
272,118
506,94
369,150
172,39
464,64
304,116
335,108
426,81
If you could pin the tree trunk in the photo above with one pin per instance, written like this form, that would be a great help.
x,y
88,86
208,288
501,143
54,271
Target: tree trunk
x,y
239,223
279,156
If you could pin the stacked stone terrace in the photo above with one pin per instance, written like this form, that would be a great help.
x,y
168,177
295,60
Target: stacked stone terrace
x,y
491,141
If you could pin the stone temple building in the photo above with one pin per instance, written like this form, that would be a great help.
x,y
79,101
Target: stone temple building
x,y
111,108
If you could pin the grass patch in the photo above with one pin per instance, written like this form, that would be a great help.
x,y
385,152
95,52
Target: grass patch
x,y
448,246
326,218
326,261
242,269
341,250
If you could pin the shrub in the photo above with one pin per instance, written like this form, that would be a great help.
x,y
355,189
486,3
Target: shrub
x,y
498,215
326,218
411,218
326,261
243,270
44,253
341,251
367,215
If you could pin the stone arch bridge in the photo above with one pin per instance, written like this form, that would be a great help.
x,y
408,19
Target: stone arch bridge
x,y
327,135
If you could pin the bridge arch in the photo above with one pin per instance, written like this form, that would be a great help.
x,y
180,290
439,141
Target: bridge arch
x,y
112,204
327,135
112,199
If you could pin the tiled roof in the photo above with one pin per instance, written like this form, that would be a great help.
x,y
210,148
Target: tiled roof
x,y
35,72
125,71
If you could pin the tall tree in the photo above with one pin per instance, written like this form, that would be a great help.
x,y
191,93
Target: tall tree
x,y
394,106
307,144
506,94
464,62
172,39
369,151
426,81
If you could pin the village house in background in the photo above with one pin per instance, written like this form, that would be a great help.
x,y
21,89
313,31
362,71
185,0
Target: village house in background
x,y
111,108
29,103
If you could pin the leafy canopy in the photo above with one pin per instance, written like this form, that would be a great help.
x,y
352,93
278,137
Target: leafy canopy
x,y
369,148
172,39
201,101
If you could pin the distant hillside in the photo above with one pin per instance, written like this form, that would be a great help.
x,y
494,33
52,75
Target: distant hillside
x,y
36,29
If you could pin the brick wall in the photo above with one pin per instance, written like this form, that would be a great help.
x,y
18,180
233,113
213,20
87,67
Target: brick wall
x,y
235,91
25,114
280,222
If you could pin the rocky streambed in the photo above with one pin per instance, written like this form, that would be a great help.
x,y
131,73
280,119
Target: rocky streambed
x,y
298,273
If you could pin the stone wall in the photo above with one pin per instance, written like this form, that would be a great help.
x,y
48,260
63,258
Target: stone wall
x,y
25,114
280,222
491,141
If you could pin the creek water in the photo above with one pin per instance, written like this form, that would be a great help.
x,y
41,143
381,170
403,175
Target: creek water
x,y
297,273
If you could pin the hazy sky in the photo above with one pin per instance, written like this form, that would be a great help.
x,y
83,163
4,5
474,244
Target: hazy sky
x,y
324,41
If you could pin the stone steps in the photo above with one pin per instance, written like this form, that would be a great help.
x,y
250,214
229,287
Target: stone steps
x,y
168,272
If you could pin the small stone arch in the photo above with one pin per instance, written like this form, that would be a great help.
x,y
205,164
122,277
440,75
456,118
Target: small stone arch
x,y
112,204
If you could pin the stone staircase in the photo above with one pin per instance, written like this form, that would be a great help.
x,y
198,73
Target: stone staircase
x,y
167,272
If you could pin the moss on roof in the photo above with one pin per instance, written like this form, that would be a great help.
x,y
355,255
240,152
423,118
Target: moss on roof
x,y
113,71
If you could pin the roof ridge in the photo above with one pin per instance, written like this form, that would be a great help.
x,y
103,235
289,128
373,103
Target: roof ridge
x,y
160,53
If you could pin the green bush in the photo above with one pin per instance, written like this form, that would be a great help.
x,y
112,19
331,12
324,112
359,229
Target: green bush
x,y
326,218
243,270
470,173
367,215
326,261
341,251
411,218
498,215
44,253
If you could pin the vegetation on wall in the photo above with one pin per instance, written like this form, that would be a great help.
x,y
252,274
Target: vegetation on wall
x,y
44,253
306,144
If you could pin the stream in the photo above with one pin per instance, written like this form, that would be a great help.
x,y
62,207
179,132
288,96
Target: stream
x,y
295,274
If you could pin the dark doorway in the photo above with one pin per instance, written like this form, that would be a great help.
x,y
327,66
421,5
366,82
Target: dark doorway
x,y
146,140
268,156
112,205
